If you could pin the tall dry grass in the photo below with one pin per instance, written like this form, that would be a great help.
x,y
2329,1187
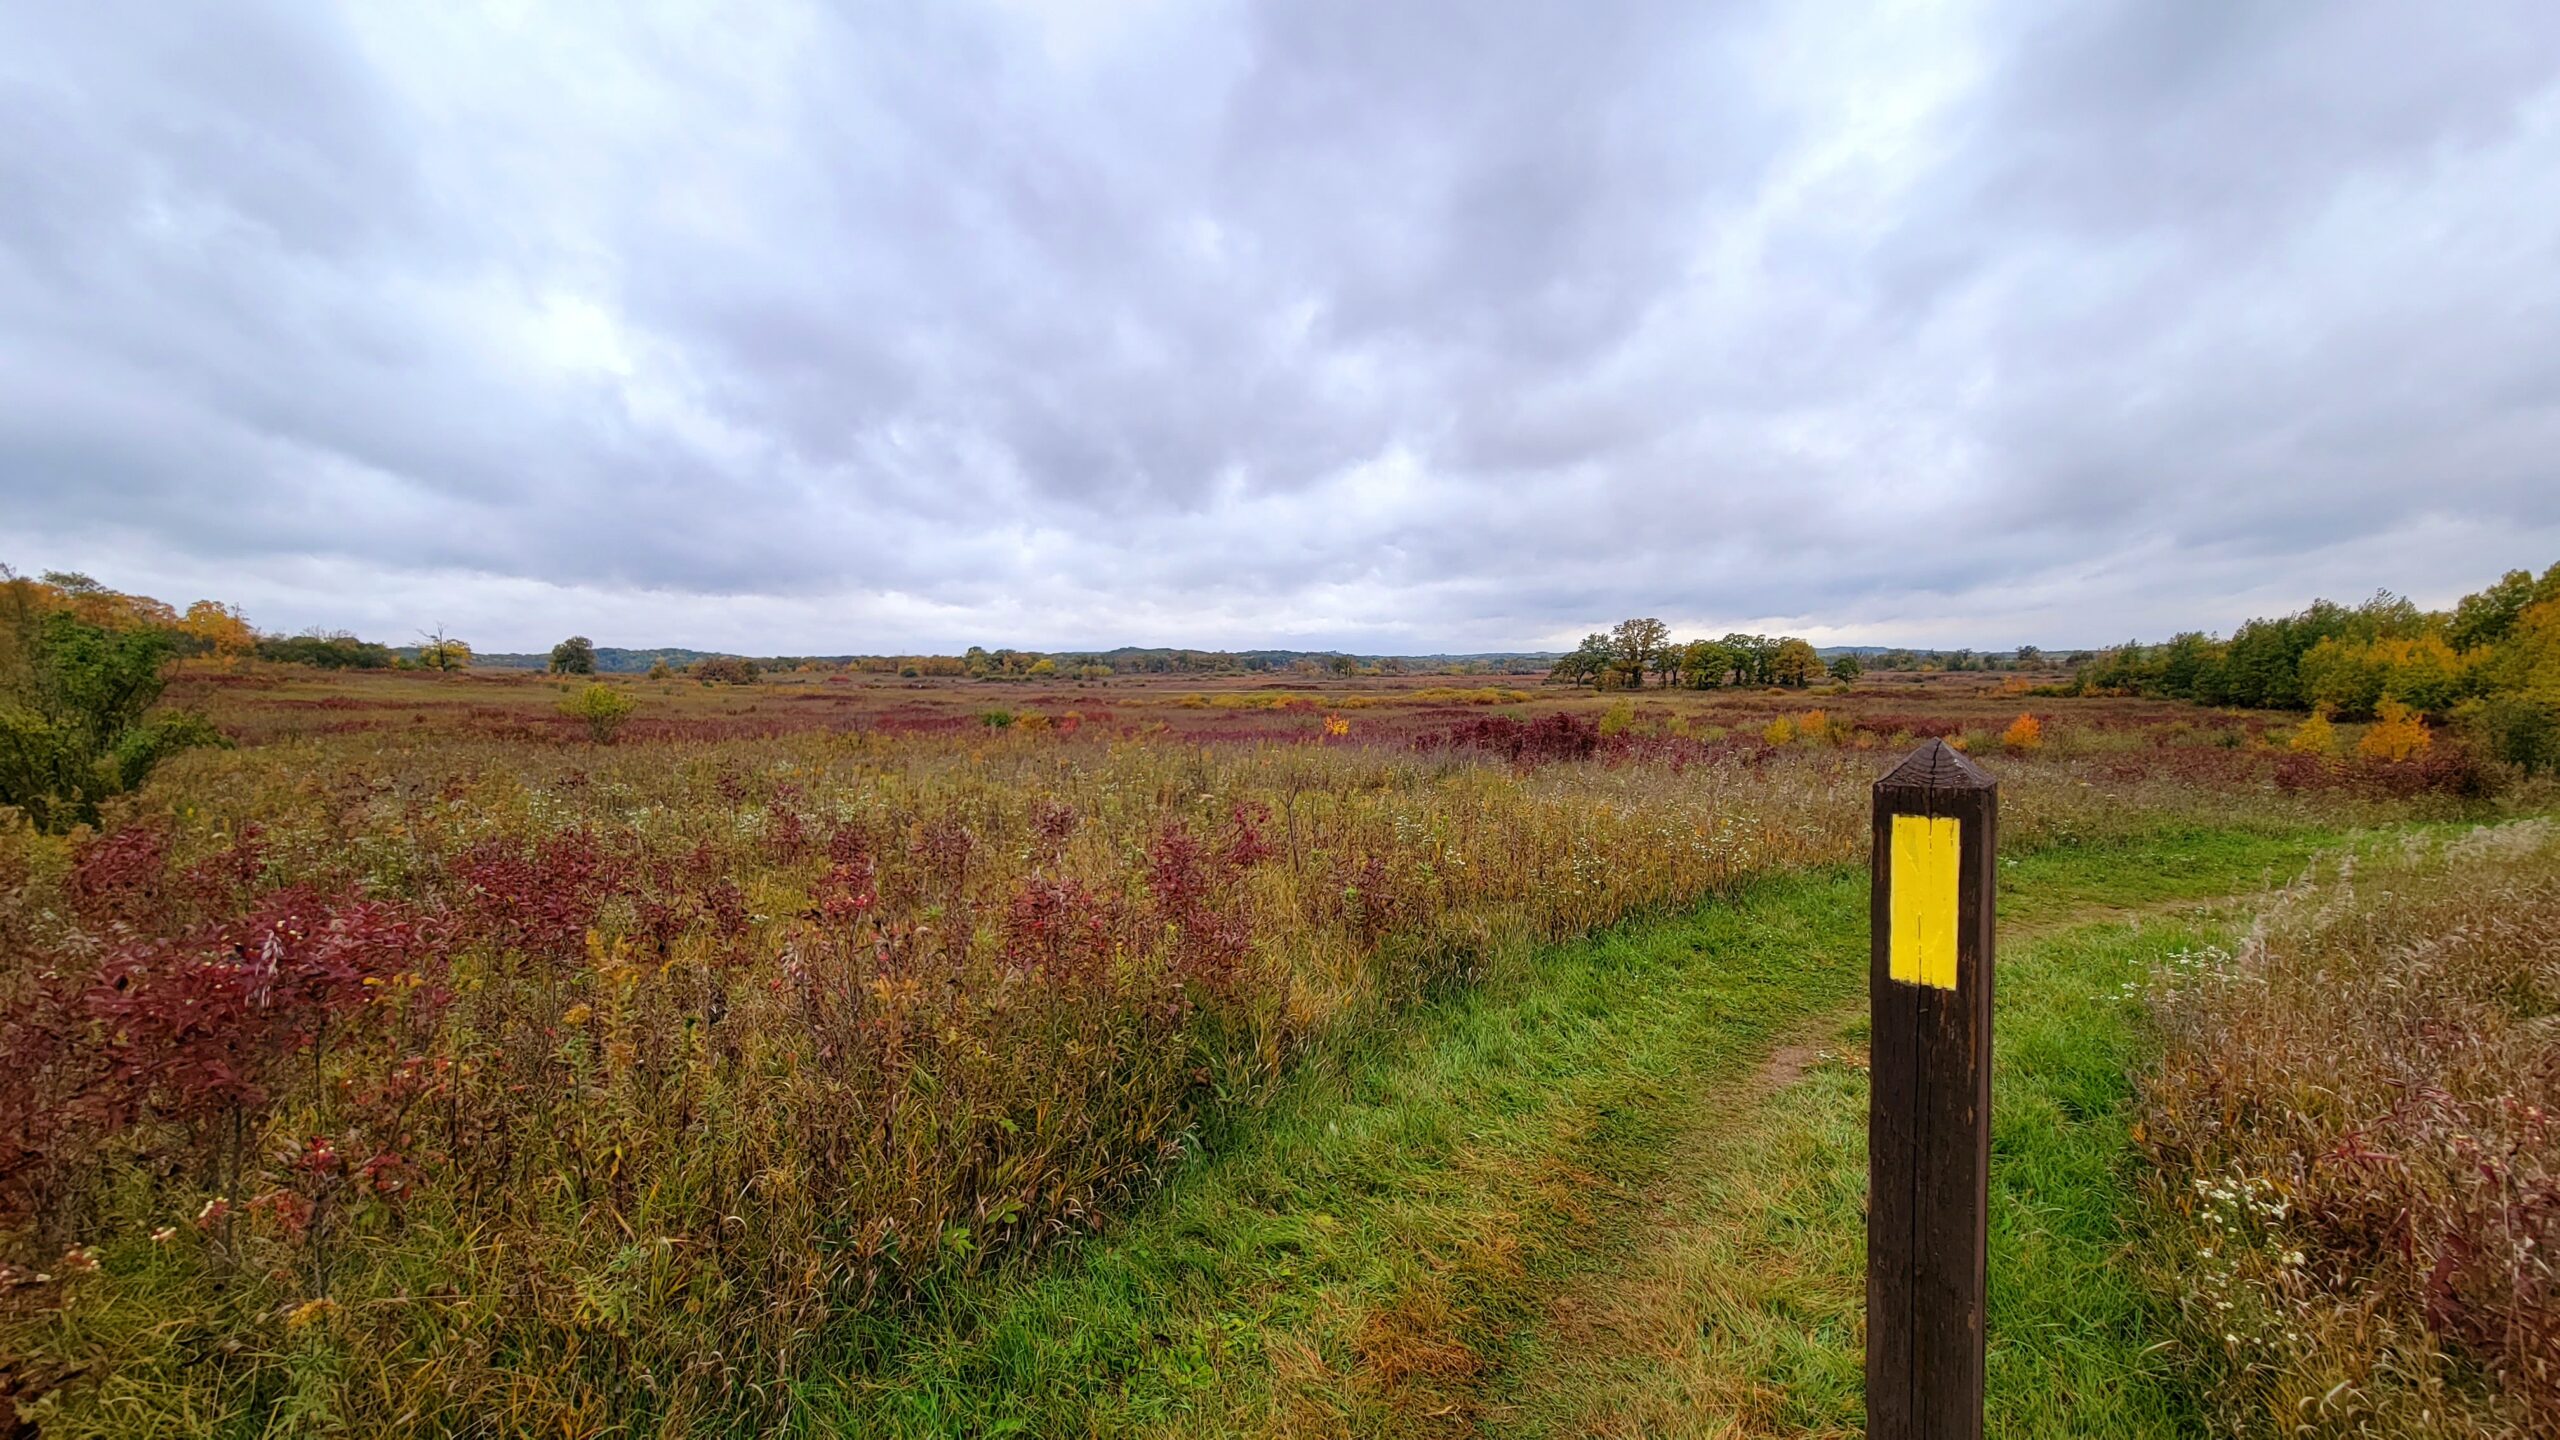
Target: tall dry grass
x,y
2358,1185
357,1081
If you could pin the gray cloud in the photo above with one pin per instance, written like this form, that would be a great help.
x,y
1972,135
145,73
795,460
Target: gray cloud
x,y
870,327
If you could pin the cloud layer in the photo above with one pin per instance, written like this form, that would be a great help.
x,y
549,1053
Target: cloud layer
x,y
1397,327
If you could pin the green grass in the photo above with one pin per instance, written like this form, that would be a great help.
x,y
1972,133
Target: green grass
x,y
2069,1327
1391,1252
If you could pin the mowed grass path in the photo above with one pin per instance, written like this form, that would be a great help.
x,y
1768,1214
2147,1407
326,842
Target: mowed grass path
x,y
1614,1190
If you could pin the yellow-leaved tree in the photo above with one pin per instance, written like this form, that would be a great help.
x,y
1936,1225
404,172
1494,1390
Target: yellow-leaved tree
x,y
2315,736
441,652
2398,735
222,629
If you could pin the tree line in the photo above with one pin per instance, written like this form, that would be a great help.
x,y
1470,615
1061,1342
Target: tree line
x,y
2491,664
1621,658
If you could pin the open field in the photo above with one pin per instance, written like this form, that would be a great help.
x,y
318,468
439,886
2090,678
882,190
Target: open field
x,y
819,1053
257,703
1279,721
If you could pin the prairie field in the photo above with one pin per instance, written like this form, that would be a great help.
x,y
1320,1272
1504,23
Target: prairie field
x,y
422,1063
865,720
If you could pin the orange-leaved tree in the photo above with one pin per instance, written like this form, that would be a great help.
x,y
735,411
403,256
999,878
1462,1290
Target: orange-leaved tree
x,y
2024,735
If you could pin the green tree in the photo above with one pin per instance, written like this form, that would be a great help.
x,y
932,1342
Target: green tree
x,y
330,651
1666,663
574,656
1588,664
75,709
1752,657
2262,665
1847,669
1705,664
1638,643
2486,617
2187,664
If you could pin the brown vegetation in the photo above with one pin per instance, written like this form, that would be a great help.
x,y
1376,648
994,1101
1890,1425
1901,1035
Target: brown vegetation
x,y
2359,1183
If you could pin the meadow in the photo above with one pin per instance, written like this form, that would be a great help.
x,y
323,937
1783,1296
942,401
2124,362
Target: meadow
x,y
420,1062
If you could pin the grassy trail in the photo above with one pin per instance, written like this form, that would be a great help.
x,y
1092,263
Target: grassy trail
x,y
1614,1193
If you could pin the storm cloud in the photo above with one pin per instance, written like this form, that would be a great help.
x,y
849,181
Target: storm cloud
x,y
1398,327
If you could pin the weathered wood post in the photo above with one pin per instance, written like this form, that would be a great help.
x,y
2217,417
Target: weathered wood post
x,y
1929,1112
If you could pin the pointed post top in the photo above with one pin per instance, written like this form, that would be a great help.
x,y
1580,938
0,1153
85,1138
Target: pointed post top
x,y
1938,765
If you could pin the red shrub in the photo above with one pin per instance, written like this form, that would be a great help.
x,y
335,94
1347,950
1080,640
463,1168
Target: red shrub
x,y
848,892
226,878
1060,929
541,901
1054,823
1246,846
194,1027
1549,738
848,843
1363,897
119,876
944,847
1189,885
787,838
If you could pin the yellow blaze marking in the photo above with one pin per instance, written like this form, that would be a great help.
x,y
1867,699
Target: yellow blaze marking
x,y
1922,947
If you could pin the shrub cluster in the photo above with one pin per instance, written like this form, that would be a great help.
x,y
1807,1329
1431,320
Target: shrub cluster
x,y
1552,737
78,723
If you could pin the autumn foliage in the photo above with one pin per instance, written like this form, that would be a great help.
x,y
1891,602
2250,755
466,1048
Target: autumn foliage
x,y
422,1057
2397,734
2314,736
2024,736
2354,1164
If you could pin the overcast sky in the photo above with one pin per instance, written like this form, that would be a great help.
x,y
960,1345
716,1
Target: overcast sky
x,y
1399,327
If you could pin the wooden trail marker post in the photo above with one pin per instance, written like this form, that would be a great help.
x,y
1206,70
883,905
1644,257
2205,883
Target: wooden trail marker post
x,y
1929,1108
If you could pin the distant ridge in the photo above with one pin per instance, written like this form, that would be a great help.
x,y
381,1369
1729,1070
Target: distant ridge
x,y
609,660
615,660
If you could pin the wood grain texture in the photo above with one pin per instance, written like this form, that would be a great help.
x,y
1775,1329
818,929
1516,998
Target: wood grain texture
x,y
1929,1111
